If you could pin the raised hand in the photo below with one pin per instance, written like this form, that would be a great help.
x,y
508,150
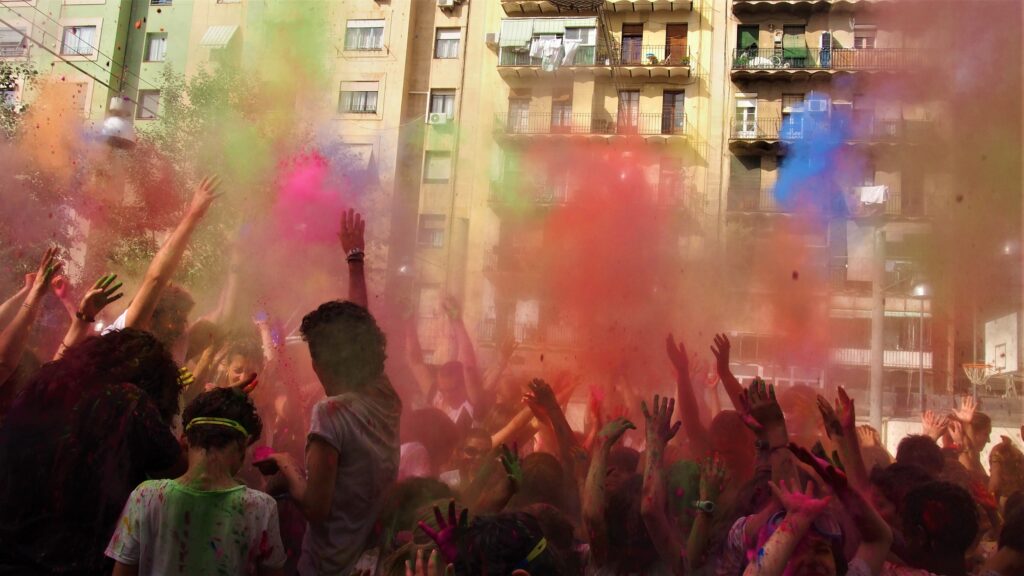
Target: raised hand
x,y
833,427
509,459
677,355
659,421
248,385
61,287
868,436
796,502
424,563
933,425
48,268
352,234
712,478
541,395
845,410
204,195
102,293
759,408
965,413
721,350
613,431
447,534
833,476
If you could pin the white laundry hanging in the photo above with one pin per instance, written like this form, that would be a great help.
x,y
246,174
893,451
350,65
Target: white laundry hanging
x,y
570,52
873,194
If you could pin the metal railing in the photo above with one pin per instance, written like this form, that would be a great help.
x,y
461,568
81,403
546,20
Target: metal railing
x,y
160,2
909,359
652,55
800,127
502,193
554,335
642,123
823,58
585,56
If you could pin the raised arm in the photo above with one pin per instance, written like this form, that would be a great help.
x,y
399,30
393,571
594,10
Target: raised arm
x,y
841,427
594,489
721,350
689,411
103,292
712,481
14,338
467,357
494,373
664,536
761,412
414,359
353,242
542,398
802,508
10,307
166,261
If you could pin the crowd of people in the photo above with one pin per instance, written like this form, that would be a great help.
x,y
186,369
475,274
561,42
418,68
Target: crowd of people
x,y
164,446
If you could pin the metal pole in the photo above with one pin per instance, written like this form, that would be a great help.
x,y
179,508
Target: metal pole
x,y
877,327
920,355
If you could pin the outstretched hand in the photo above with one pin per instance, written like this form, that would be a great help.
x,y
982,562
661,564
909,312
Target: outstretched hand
x,y
99,296
759,408
721,350
613,431
424,563
868,436
965,413
933,425
204,195
447,534
352,234
541,396
841,420
509,459
49,266
677,355
712,478
832,476
659,421
796,502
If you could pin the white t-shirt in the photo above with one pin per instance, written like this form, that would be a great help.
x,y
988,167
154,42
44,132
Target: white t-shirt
x,y
168,528
363,428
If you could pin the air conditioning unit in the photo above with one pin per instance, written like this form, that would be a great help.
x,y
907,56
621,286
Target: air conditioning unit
x,y
491,39
438,118
817,105
445,3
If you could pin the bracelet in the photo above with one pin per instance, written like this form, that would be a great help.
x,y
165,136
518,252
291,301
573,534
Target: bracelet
x,y
705,506
27,306
81,316
355,255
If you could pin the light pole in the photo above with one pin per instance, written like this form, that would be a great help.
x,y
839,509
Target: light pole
x,y
921,291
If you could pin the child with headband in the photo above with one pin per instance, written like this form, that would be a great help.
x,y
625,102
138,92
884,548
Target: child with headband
x,y
205,521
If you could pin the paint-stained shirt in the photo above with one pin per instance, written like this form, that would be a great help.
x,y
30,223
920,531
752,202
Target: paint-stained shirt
x,y
363,428
169,528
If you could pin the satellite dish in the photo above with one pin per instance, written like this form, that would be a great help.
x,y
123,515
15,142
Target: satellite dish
x,y
578,4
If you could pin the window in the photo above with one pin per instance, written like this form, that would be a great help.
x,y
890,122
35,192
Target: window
x,y
358,97
78,41
79,96
156,47
446,43
442,102
518,115
792,116
13,42
364,35
438,167
632,43
673,118
8,97
744,182
431,232
864,37
149,104
561,109
745,123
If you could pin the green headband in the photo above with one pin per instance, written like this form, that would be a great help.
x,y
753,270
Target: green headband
x,y
537,550
218,422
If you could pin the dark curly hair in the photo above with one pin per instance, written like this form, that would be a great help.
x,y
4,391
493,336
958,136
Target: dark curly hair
x,y
229,403
345,342
121,356
498,545
946,512
922,451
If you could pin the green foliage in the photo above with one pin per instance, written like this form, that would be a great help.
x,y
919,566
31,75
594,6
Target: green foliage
x,y
11,74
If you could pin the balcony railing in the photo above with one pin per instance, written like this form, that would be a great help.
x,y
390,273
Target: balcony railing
x,y
908,359
644,55
799,127
553,335
644,123
585,56
823,59
13,51
534,193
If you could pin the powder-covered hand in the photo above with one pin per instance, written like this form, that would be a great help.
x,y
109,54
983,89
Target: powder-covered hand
x,y
448,532
102,293
659,421
353,229
49,266
613,431
677,355
204,195
796,502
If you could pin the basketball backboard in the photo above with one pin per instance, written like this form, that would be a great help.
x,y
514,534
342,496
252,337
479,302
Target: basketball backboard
x,y
1001,344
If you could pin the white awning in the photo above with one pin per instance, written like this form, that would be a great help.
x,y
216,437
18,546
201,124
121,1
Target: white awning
x,y
218,36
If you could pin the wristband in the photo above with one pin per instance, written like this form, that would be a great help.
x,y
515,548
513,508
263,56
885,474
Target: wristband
x,y
355,255
81,316
705,506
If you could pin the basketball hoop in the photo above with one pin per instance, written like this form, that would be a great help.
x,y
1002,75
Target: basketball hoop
x,y
978,373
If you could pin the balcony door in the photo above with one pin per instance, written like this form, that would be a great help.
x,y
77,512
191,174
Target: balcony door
x,y
629,111
675,49
672,119
518,115
746,116
632,43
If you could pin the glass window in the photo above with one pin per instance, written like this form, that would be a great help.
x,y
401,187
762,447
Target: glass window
x,y
156,47
358,97
431,232
364,35
446,43
13,42
149,104
78,41
438,167
442,102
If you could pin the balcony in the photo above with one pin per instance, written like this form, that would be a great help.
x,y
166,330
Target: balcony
x,y
551,336
653,60
513,62
902,359
528,194
14,50
552,7
645,124
766,62
766,134
795,6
